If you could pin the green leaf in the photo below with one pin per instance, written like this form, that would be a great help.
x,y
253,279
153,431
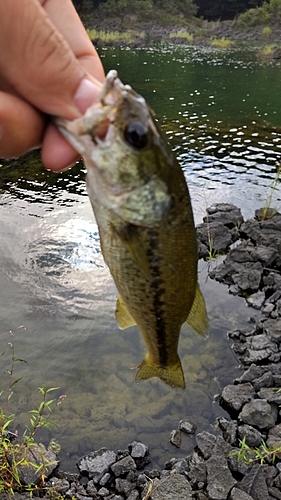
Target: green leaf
x,y
15,382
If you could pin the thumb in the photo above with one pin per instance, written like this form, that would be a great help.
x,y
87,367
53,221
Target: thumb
x,y
40,65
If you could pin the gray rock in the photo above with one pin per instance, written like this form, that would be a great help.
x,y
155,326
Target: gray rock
x,y
266,380
275,431
175,438
180,466
256,300
105,479
97,463
123,466
234,396
60,485
123,486
229,430
252,373
274,442
103,492
273,329
91,489
227,213
272,280
237,494
237,465
274,492
277,480
259,348
271,394
197,469
134,495
248,280
259,413
173,487
215,235
45,461
265,254
220,480
187,426
254,483
138,450
253,437
206,442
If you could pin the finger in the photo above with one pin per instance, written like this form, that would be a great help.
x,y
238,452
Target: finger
x,y
56,153
15,136
70,26
44,69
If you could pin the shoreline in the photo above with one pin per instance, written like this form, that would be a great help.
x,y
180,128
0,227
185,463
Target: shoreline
x,y
216,470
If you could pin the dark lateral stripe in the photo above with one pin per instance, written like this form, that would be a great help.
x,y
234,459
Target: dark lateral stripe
x,y
158,289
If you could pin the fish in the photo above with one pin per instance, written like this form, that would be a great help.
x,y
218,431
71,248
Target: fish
x,y
142,206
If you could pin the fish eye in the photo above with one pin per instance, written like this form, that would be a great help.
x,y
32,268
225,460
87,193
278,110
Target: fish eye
x,y
136,135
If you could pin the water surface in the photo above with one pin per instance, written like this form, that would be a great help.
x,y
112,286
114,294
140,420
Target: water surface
x,y
221,113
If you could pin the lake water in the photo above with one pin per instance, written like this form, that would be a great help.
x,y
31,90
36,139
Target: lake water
x,y
221,111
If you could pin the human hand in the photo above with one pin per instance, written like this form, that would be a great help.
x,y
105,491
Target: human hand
x,y
48,66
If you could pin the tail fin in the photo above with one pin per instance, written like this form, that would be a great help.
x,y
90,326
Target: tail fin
x,y
171,375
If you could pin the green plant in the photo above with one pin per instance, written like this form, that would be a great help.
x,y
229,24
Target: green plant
x,y
182,34
222,43
267,13
14,448
260,454
268,49
267,31
115,36
268,212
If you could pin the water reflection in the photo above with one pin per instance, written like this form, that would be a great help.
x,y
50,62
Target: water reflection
x,y
55,283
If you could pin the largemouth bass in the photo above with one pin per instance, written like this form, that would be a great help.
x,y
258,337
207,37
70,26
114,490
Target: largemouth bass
x,y
143,210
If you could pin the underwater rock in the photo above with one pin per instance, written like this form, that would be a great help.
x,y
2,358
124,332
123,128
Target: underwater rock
x,y
187,426
175,438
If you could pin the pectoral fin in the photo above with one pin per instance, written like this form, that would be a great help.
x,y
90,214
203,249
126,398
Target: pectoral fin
x,y
124,319
197,317
171,375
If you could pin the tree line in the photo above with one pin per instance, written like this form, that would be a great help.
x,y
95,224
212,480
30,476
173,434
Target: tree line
x,y
207,9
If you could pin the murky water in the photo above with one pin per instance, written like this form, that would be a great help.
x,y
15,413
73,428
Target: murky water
x,y
221,113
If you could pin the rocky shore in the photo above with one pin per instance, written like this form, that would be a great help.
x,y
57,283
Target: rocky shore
x,y
244,462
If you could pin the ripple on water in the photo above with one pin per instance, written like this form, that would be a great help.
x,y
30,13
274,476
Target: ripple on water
x,y
57,286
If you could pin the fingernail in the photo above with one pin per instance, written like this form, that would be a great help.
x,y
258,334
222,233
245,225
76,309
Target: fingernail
x,y
86,94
